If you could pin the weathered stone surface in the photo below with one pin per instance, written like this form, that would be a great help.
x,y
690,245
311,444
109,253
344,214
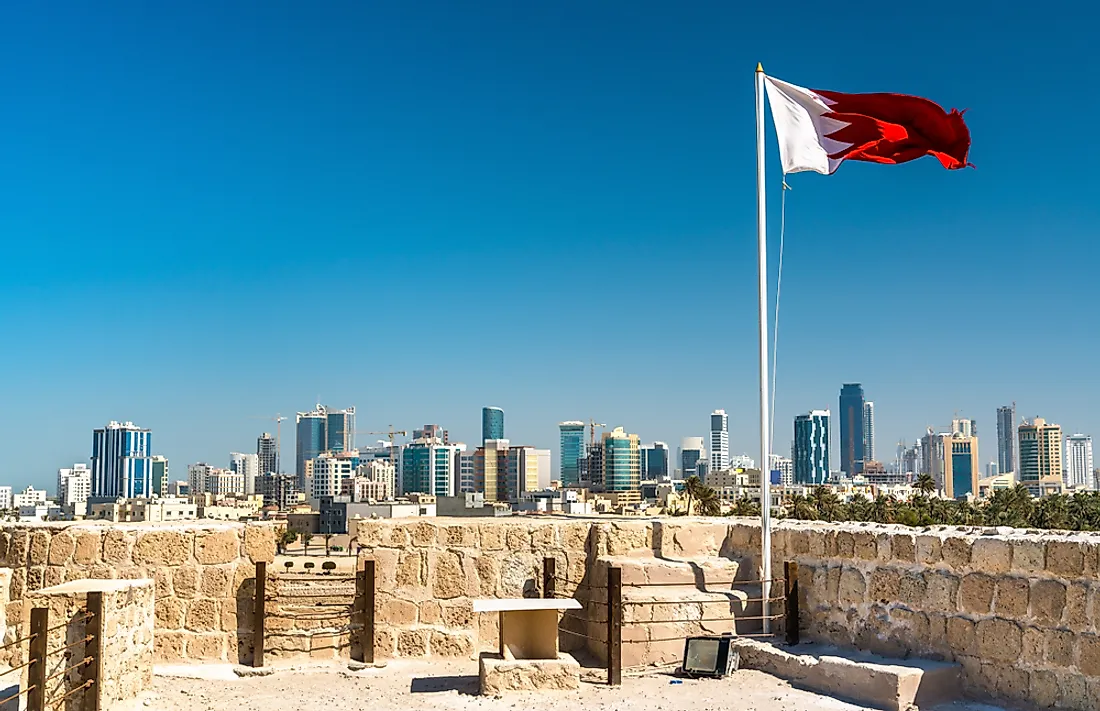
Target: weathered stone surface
x,y
853,588
492,536
62,547
444,644
1066,558
398,612
845,545
1088,651
185,581
116,547
1048,600
885,585
956,552
1012,596
962,635
215,582
1077,606
991,555
169,646
86,551
203,615
259,543
39,548
412,643
1059,648
423,534
499,676
1028,556
976,593
460,535
448,578
1034,646
1000,640
942,591
169,613
488,574
1043,688
904,547
217,547
163,548
928,549
410,569
210,647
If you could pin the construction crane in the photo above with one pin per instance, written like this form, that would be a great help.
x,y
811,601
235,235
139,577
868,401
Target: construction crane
x,y
391,434
592,425
278,420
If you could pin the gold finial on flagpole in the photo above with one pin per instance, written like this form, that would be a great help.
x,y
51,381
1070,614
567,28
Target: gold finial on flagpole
x,y
760,67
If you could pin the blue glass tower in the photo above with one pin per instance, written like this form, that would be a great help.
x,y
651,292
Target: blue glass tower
x,y
492,423
572,451
811,448
851,429
122,466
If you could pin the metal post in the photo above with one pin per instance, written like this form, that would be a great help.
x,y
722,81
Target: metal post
x,y
259,610
549,572
365,591
790,572
614,626
94,649
36,672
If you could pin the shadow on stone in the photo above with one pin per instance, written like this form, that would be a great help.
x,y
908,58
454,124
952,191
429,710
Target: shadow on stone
x,y
468,685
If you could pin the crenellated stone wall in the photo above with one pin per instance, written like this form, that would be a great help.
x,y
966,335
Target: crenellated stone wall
x,y
203,571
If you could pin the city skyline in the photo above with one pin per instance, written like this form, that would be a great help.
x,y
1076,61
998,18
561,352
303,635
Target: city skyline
x,y
213,183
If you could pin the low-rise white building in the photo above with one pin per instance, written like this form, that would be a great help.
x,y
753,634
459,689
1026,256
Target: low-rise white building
x,y
74,485
28,497
5,498
145,510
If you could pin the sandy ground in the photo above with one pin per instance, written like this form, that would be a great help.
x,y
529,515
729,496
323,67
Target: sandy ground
x,y
452,686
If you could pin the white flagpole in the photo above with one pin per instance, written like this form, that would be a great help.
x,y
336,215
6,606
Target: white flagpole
x,y
765,450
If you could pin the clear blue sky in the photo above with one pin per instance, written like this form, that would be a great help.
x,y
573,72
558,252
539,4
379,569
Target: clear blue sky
x,y
218,210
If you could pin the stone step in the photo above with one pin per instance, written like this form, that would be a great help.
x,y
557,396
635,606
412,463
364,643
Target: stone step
x,y
879,682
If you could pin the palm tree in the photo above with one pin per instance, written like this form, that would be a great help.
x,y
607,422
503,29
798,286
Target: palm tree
x,y
286,537
801,508
701,499
306,538
1010,507
925,484
746,507
883,509
859,508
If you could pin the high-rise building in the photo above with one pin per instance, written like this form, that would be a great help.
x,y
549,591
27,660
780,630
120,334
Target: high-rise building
x,y
992,469
545,468
785,467
323,429
381,481
121,461
1006,439
492,423
5,498
330,470
1040,454
960,463
280,490
719,440
504,472
267,451
590,467
811,448
851,429
868,431
622,471
248,466
428,467
690,454
465,466
964,427
224,482
654,461
74,485
432,432
1078,465
572,451
160,475
197,475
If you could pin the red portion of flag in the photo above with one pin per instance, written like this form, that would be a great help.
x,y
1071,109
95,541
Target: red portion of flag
x,y
895,128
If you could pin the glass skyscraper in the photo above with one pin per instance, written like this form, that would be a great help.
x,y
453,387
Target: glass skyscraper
x,y
122,465
851,429
1006,438
654,461
572,451
719,440
691,453
492,423
429,468
811,448
620,461
323,429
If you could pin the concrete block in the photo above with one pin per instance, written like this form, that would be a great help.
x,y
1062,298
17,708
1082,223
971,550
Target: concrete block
x,y
499,676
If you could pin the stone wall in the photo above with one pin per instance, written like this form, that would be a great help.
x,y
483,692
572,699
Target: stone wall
x,y
203,571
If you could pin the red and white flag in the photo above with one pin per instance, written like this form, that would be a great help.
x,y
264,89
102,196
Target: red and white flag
x,y
818,130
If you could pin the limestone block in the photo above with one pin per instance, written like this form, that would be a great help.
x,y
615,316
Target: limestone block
x,y
61,548
18,547
1073,691
162,548
517,537
168,646
492,536
230,621
216,547
259,542
431,613
1033,644
1006,680
216,582
499,676
410,569
1059,647
412,643
928,549
169,614
853,588
1088,654
54,575
206,646
845,545
956,552
163,579
394,611
459,615
544,536
36,578
424,534
1077,606
1012,596
991,555
912,589
1028,555
629,537
445,644
368,532
447,576
574,536
698,540
385,567
976,593
5,539
1043,688
1048,600
885,585
385,643
87,548
185,581
884,542
866,546
203,615
904,547
519,573
488,575
116,547
39,548
396,535
1000,640
1066,558
460,535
